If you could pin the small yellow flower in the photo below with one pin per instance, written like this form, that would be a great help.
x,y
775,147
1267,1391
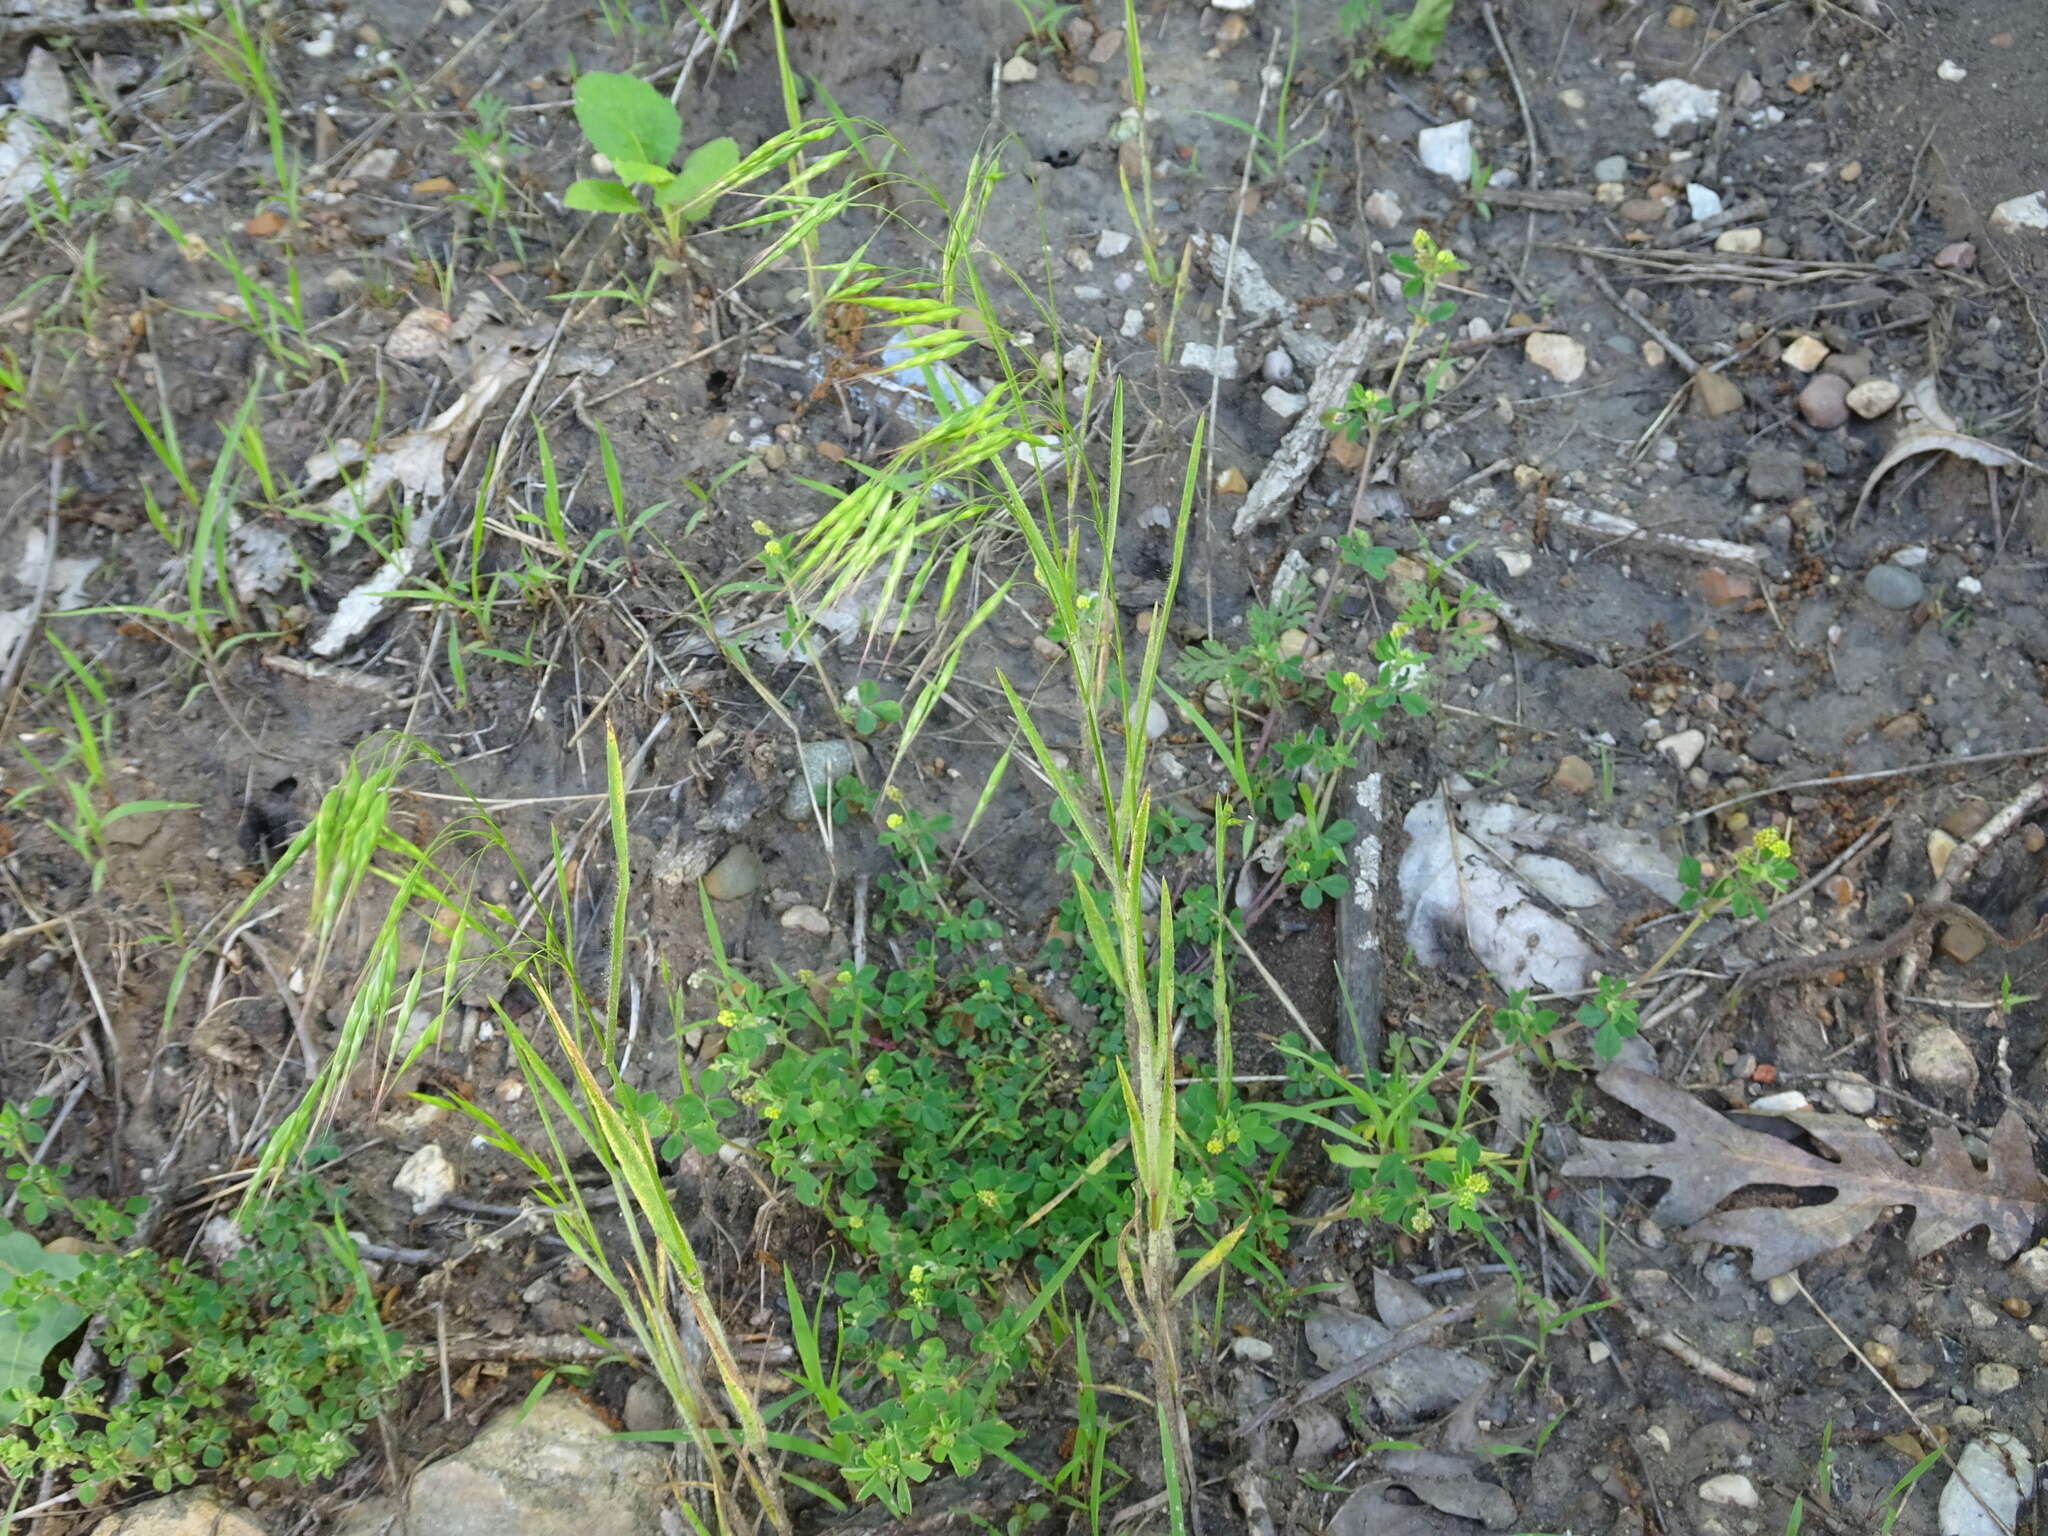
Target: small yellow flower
x,y
987,1197
917,1274
727,1018
1770,841
1213,1146
894,822
772,549
1421,1221
771,1111
762,528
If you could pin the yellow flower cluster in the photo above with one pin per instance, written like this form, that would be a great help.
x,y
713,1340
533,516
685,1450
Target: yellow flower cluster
x,y
1771,842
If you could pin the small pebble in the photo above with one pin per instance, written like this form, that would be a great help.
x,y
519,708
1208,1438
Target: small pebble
x,y
1783,1288
2018,1306
1613,168
1684,747
1806,353
1873,398
1731,1489
1383,209
1940,1061
1941,847
736,876
2031,1270
1825,401
1852,1095
1283,403
1019,70
1739,242
1894,587
1597,1353
1994,1378
1111,243
1257,1351
1574,775
807,919
1277,367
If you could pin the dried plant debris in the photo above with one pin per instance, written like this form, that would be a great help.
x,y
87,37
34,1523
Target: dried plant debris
x,y
1712,1158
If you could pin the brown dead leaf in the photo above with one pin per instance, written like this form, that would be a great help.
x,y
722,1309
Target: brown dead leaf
x,y
267,223
433,186
1713,1157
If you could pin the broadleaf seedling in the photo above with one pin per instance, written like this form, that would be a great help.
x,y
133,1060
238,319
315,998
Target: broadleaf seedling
x,y
637,130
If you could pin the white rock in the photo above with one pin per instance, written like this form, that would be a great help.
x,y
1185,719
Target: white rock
x,y
1383,209
1912,557
1112,243
1852,1095
2021,215
1560,356
1155,720
426,1178
1447,150
1134,324
1233,5
320,47
1783,1288
1200,355
1277,367
1572,99
1791,1101
1739,242
1678,103
1516,562
1806,353
1997,1470
1283,403
1940,1060
1018,70
1257,1351
2031,1270
1730,1488
1703,202
1994,1379
807,919
1684,747
1951,71
1320,236
1874,398
1597,1353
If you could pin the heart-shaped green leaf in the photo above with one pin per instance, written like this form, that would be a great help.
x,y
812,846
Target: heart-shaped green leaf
x,y
625,118
588,196
28,1334
694,189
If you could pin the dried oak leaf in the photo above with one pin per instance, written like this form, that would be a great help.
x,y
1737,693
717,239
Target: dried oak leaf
x,y
1713,1157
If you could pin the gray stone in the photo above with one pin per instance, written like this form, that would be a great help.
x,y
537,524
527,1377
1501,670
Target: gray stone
x,y
1774,474
1613,168
555,1471
821,763
736,876
193,1512
2031,1270
1852,1095
1893,586
1939,1060
1428,472
1993,1378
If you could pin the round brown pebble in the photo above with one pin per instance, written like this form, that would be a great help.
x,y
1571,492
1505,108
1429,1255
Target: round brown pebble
x,y
1824,402
2018,1306
1574,775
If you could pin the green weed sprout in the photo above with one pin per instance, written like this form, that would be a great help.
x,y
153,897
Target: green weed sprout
x,y
1761,870
638,131
1369,412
